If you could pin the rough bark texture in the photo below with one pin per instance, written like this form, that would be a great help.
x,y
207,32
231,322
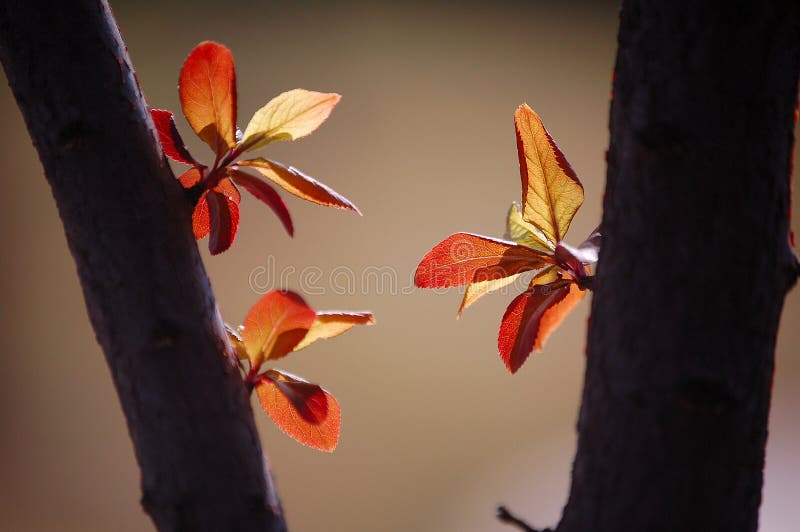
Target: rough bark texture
x,y
693,271
149,300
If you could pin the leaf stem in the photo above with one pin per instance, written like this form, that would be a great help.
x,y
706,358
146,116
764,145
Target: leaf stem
x,y
251,378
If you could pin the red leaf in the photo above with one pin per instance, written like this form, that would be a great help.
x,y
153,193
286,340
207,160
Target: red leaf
x,y
201,216
190,177
530,319
455,260
224,218
207,88
275,325
171,141
265,193
304,411
201,224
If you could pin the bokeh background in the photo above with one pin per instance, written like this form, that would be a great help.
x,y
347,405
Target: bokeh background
x,y
435,431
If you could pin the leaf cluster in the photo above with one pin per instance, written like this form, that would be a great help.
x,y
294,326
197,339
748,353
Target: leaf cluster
x,y
534,241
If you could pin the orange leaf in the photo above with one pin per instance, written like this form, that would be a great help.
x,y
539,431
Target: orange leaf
x,y
454,260
296,182
289,116
223,213
551,192
265,193
201,224
171,141
530,319
304,411
207,88
227,188
275,325
332,323
190,177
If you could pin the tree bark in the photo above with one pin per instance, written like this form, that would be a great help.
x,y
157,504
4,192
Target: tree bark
x,y
693,270
128,227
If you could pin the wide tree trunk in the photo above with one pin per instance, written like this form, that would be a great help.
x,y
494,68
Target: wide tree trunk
x,y
128,228
693,271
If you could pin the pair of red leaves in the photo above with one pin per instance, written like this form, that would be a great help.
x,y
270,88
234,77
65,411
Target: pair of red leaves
x,y
207,89
551,194
278,324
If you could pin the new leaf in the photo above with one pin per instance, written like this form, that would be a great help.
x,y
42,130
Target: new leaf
x,y
304,411
275,325
530,319
551,192
207,88
281,322
455,260
289,116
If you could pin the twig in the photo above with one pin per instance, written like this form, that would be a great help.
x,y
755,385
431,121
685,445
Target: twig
x,y
510,519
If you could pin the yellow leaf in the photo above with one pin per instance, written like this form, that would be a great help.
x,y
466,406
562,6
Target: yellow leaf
x,y
524,233
546,275
329,324
551,192
288,116
478,289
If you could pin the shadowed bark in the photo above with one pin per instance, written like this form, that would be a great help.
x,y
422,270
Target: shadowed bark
x,y
693,270
128,227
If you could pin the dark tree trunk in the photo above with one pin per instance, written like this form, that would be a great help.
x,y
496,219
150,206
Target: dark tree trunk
x,y
693,271
149,300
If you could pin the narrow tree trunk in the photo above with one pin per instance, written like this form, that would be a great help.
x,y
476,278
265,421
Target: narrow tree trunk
x,y
149,300
693,271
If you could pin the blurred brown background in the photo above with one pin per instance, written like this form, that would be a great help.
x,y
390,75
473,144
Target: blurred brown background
x,y
435,431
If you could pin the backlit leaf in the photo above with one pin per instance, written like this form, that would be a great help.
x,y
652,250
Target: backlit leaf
x,y
551,192
171,141
454,261
521,232
265,193
296,182
546,275
227,188
223,213
531,317
304,411
201,217
288,116
478,289
275,325
201,223
207,89
331,323
190,177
